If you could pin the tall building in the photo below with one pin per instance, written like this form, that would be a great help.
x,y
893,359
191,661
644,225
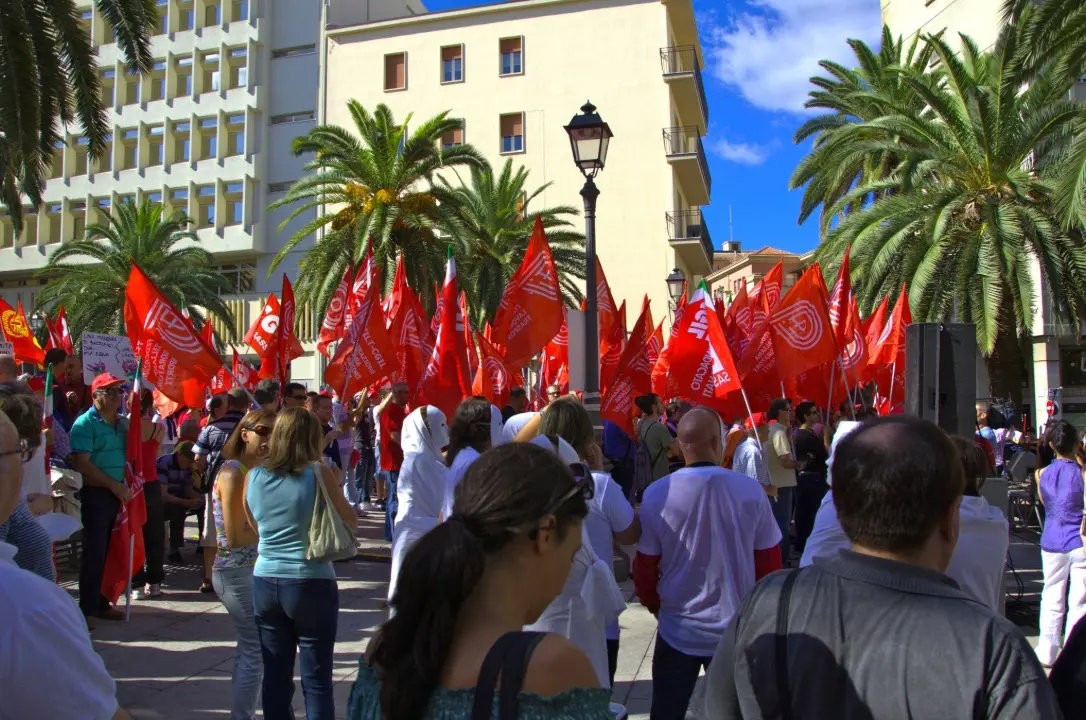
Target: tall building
x,y
518,71
1058,349
208,131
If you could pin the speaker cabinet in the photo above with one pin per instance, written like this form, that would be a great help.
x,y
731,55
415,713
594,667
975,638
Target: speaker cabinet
x,y
940,375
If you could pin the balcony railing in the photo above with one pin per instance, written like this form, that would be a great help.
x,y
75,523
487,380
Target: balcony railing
x,y
690,225
683,60
687,141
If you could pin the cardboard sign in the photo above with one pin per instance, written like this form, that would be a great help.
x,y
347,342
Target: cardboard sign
x,y
107,354
6,348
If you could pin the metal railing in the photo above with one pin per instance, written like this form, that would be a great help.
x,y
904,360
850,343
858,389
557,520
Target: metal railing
x,y
687,141
682,60
690,225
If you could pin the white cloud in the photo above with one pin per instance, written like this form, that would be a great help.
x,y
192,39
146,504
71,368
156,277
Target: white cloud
x,y
739,152
770,49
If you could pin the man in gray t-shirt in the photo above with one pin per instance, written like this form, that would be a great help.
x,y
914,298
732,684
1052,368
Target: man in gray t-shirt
x,y
879,631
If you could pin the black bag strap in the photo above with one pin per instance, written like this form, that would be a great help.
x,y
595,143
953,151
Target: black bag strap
x,y
508,659
784,690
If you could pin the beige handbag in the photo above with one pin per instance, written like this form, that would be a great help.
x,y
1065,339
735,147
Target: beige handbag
x,y
330,538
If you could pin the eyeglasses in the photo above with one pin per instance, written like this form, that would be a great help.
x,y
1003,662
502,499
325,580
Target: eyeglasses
x,y
24,451
110,392
260,430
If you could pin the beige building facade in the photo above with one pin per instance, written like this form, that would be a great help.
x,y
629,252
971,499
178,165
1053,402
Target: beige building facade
x,y
516,72
733,265
979,19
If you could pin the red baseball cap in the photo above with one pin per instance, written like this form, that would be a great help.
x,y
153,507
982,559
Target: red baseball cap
x,y
105,380
759,419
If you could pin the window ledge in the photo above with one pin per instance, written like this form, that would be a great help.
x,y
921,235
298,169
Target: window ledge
x,y
452,82
399,89
512,74
513,152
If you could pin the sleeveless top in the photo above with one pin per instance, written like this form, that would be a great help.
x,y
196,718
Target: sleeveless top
x,y
226,556
149,448
572,704
282,506
1061,490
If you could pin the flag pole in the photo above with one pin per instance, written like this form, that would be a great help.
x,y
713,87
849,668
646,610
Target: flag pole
x,y
890,401
230,372
753,429
844,375
829,400
128,574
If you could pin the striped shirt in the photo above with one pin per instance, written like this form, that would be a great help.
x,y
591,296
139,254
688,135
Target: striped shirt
x,y
35,547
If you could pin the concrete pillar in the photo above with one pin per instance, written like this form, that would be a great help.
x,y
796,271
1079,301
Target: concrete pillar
x,y
1046,374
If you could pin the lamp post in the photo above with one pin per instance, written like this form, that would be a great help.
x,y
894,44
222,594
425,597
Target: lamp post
x,y
589,136
675,282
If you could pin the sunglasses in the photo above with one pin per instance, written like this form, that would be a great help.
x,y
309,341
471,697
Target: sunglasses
x,y
260,430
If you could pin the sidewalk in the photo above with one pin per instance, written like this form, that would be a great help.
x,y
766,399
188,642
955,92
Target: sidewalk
x,y
173,660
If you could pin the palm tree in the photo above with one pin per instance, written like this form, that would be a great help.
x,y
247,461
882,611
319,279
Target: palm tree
x,y
968,212
846,152
49,76
490,224
377,181
89,276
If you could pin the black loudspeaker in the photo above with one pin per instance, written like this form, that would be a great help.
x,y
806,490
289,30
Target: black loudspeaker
x,y
941,375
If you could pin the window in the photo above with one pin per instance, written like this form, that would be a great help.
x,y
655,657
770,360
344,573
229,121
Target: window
x,y
280,187
183,72
235,203
181,142
107,83
210,63
294,51
512,50
158,80
78,211
130,153
210,147
187,19
53,214
104,163
205,202
293,118
163,16
241,10
452,139
155,146
30,227
242,278
7,231
81,146
153,197
239,68
212,14
56,167
131,88
452,64
512,133
179,198
396,71
236,135
102,204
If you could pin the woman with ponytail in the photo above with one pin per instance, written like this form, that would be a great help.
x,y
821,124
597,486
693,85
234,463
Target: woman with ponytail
x,y
465,591
470,435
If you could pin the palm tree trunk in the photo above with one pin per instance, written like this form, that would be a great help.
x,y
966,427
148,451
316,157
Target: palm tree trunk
x,y
1005,364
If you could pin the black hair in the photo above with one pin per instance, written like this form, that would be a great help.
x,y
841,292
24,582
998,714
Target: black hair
x,y
292,386
894,480
778,406
803,410
216,402
568,419
504,495
646,403
55,356
975,463
23,409
1063,437
263,397
470,427
237,399
147,400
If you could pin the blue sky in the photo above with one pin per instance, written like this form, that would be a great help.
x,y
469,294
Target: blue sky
x,y
759,55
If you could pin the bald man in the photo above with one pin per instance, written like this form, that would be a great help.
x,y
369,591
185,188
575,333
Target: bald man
x,y
708,535
43,631
9,369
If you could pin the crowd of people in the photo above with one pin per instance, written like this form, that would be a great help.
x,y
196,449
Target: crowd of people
x,y
798,564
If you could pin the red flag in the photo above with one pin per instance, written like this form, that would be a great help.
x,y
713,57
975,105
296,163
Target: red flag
x,y
655,344
59,335
530,314
391,304
332,325
700,363
367,354
854,356
410,335
767,290
17,332
632,378
612,347
128,524
556,353
889,348
469,342
738,322
840,316
287,339
175,359
800,325
263,336
363,279
491,379
446,381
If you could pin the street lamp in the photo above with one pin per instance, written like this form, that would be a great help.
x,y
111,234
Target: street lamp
x,y
675,282
589,137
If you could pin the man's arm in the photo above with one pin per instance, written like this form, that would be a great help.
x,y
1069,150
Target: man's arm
x,y
783,450
646,564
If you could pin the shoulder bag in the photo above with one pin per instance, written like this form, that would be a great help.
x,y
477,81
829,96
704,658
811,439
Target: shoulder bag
x,y
330,538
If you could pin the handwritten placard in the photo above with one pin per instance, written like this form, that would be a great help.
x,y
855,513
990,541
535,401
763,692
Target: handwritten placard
x,y
107,354
6,348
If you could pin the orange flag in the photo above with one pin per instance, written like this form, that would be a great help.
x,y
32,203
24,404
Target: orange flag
x,y
491,378
17,332
800,326
175,359
889,348
530,314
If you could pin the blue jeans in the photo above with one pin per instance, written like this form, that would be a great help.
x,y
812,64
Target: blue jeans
x,y
363,475
782,513
674,675
293,614
390,507
234,586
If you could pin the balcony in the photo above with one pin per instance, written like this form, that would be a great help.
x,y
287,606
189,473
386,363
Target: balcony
x,y
682,71
686,154
688,234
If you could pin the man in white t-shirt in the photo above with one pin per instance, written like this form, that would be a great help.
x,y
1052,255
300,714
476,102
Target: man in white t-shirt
x,y
708,534
782,470
48,667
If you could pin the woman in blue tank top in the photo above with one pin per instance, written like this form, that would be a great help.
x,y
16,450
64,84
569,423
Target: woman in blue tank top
x,y
295,601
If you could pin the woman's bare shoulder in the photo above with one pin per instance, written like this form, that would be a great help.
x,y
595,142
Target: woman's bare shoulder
x,y
558,665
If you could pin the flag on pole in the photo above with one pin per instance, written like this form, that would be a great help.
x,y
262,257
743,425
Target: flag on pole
x,y
446,381
17,332
332,325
